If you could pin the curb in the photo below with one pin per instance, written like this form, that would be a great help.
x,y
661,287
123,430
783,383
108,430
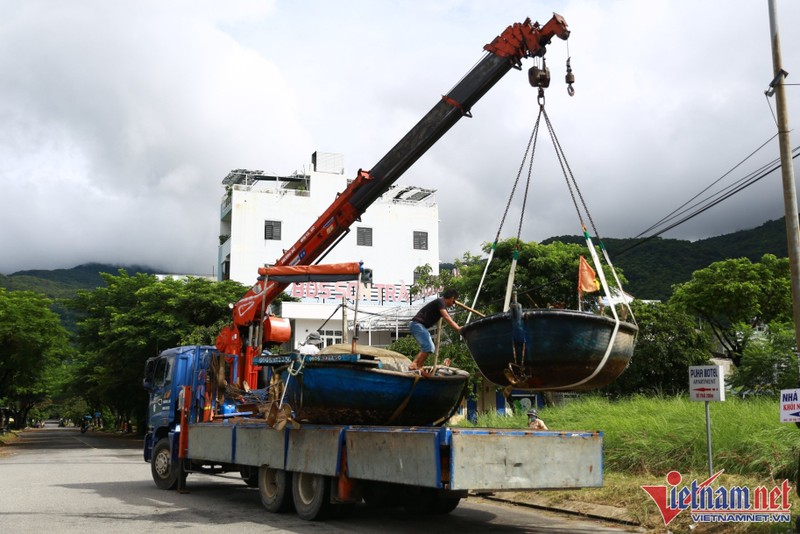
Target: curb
x,y
589,510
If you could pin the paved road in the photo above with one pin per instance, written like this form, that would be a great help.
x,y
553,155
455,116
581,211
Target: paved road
x,y
59,481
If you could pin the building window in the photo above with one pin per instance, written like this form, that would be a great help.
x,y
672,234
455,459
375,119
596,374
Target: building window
x,y
364,236
331,337
272,230
420,240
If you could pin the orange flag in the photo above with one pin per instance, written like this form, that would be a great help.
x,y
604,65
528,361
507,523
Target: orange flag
x,y
587,279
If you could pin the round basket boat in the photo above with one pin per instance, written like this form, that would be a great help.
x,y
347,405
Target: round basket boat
x,y
377,390
550,349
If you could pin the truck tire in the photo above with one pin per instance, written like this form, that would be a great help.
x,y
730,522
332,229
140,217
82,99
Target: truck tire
x,y
165,472
275,488
444,505
249,475
422,500
312,496
382,494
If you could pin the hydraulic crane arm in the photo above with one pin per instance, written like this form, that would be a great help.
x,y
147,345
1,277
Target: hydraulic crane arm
x,y
505,52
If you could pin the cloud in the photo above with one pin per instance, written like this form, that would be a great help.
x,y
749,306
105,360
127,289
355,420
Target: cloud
x,y
119,120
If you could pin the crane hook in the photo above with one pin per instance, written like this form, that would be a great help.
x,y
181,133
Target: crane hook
x,y
570,79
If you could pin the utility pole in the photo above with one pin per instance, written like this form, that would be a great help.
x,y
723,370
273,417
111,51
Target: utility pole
x,y
778,88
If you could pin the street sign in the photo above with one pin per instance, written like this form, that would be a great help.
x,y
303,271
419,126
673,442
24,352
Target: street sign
x,y
706,383
790,406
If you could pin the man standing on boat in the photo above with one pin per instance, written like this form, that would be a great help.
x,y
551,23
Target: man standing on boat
x,y
426,317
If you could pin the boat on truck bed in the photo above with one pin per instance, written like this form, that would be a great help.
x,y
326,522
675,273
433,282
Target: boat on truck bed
x,y
340,387
322,470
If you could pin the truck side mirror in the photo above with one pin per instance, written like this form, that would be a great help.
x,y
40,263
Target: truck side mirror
x,y
149,373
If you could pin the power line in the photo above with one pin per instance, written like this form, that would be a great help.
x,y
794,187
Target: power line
x,y
712,200
673,213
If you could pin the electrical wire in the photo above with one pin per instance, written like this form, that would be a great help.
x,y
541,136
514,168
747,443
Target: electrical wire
x,y
672,214
700,206
712,200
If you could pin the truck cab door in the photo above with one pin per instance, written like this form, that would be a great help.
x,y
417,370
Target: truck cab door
x,y
162,398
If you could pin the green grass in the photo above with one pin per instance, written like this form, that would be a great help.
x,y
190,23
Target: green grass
x,y
646,437
654,435
7,437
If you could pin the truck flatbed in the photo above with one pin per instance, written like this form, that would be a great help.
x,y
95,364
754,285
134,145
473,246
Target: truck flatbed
x,y
442,458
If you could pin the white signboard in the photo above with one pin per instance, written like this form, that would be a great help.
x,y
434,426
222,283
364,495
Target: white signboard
x,y
790,406
706,383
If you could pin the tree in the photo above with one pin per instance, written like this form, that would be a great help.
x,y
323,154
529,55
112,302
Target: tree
x,y
32,342
769,361
731,293
132,319
669,341
546,275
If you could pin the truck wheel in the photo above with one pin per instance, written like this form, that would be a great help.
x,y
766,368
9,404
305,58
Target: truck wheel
x,y
342,511
312,496
382,494
165,473
444,505
275,488
249,475
418,500
429,501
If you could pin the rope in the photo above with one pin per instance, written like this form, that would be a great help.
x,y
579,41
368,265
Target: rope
x,y
483,277
329,317
403,404
572,182
292,372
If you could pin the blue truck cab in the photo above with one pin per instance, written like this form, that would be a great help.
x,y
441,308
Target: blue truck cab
x,y
165,376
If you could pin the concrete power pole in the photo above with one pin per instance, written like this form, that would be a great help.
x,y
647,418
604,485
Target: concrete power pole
x,y
778,88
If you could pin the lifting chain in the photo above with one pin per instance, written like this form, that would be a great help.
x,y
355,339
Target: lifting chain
x,y
537,77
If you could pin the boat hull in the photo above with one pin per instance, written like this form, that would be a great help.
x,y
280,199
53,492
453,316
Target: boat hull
x,y
353,395
550,349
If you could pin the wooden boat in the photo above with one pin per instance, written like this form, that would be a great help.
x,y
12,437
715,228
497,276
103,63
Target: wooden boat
x,y
342,386
550,349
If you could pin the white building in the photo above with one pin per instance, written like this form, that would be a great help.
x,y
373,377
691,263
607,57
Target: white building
x,y
262,214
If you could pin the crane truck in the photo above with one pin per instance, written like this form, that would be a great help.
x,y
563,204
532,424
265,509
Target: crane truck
x,y
321,470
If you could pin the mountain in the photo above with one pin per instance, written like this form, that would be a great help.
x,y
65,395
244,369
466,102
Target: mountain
x,y
63,283
653,266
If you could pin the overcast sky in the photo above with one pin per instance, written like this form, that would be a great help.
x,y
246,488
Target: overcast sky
x,y
119,119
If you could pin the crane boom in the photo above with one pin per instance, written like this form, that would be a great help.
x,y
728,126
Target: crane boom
x,y
505,52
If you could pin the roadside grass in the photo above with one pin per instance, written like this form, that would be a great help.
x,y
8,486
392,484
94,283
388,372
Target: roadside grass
x,y
647,437
6,438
